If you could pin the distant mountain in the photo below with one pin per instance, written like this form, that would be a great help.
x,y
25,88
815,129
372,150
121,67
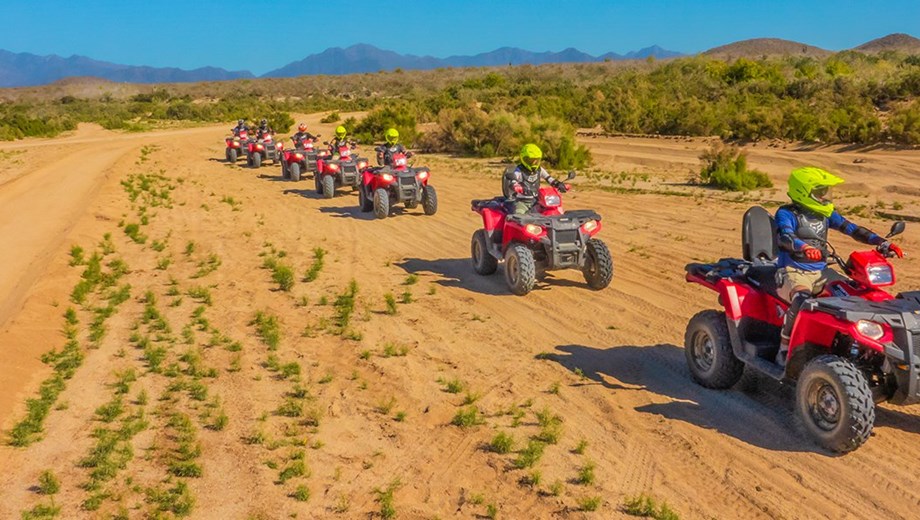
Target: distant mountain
x,y
24,69
367,58
766,47
893,42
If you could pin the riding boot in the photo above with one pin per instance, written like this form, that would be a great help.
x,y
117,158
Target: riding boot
x,y
789,322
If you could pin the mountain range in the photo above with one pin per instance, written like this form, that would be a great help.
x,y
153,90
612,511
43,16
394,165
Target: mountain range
x,y
25,69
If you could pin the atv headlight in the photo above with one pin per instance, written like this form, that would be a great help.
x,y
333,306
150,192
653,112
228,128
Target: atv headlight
x,y
870,329
880,274
533,230
299,156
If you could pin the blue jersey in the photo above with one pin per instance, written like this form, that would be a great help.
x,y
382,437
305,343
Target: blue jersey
x,y
787,223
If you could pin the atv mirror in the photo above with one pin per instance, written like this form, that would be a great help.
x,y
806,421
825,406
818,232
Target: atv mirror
x,y
571,175
896,229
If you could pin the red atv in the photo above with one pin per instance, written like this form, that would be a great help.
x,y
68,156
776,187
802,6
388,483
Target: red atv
x,y
852,346
301,159
264,149
545,239
383,187
342,169
236,146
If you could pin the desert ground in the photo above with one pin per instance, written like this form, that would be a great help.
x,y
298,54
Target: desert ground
x,y
203,389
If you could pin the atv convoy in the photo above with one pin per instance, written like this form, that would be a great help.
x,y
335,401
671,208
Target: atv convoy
x,y
264,149
852,346
343,168
236,146
382,188
300,160
545,239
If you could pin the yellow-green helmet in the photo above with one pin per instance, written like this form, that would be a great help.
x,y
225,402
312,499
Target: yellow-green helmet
x,y
392,136
809,187
531,156
340,132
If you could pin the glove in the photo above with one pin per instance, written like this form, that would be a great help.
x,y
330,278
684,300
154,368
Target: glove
x,y
813,253
518,189
889,249
559,185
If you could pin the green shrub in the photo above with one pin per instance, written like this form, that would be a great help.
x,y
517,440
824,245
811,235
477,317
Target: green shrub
x,y
725,167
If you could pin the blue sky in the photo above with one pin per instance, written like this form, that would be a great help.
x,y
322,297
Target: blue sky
x,y
195,33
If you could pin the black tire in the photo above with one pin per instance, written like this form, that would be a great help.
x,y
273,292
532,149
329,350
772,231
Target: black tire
x,y
364,202
708,348
227,154
231,155
381,203
520,269
249,160
835,403
429,200
483,261
598,269
257,160
318,181
328,186
294,170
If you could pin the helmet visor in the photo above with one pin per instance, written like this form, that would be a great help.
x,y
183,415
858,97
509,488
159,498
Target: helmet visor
x,y
822,194
532,162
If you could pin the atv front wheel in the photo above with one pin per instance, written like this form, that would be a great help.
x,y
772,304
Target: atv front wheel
x,y
257,160
708,348
429,200
365,203
294,171
318,181
598,269
834,401
227,154
328,186
231,155
249,160
381,203
520,269
483,261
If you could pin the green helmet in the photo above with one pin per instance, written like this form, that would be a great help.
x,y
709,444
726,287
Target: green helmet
x,y
340,132
392,136
810,188
531,156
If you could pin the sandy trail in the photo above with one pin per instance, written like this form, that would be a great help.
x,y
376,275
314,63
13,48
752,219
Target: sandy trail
x,y
623,384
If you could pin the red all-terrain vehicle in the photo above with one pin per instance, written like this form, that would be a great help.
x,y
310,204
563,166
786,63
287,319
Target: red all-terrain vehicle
x,y
301,159
236,146
264,149
383,187
852,346
545,239
342,169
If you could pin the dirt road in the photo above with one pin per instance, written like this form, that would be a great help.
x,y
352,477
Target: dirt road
x,y
376,389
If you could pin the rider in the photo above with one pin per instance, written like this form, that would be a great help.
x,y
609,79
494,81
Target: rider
x,y
385,153
302,134
241,126
264,129
802,257
523,181
339,141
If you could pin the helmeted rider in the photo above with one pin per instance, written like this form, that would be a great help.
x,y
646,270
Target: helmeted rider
x,y
393,146
302,135
241,126
802,258
522,183
264,129
340,140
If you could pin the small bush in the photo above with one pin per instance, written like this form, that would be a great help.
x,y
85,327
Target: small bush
x,y
725,167
502,443
646,506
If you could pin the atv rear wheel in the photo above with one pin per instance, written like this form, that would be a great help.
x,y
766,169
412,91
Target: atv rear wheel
x,y
483,261
708,348
429,200
294,170
381,203
257,160
328,186
364,202
520,269
835,403
598,269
